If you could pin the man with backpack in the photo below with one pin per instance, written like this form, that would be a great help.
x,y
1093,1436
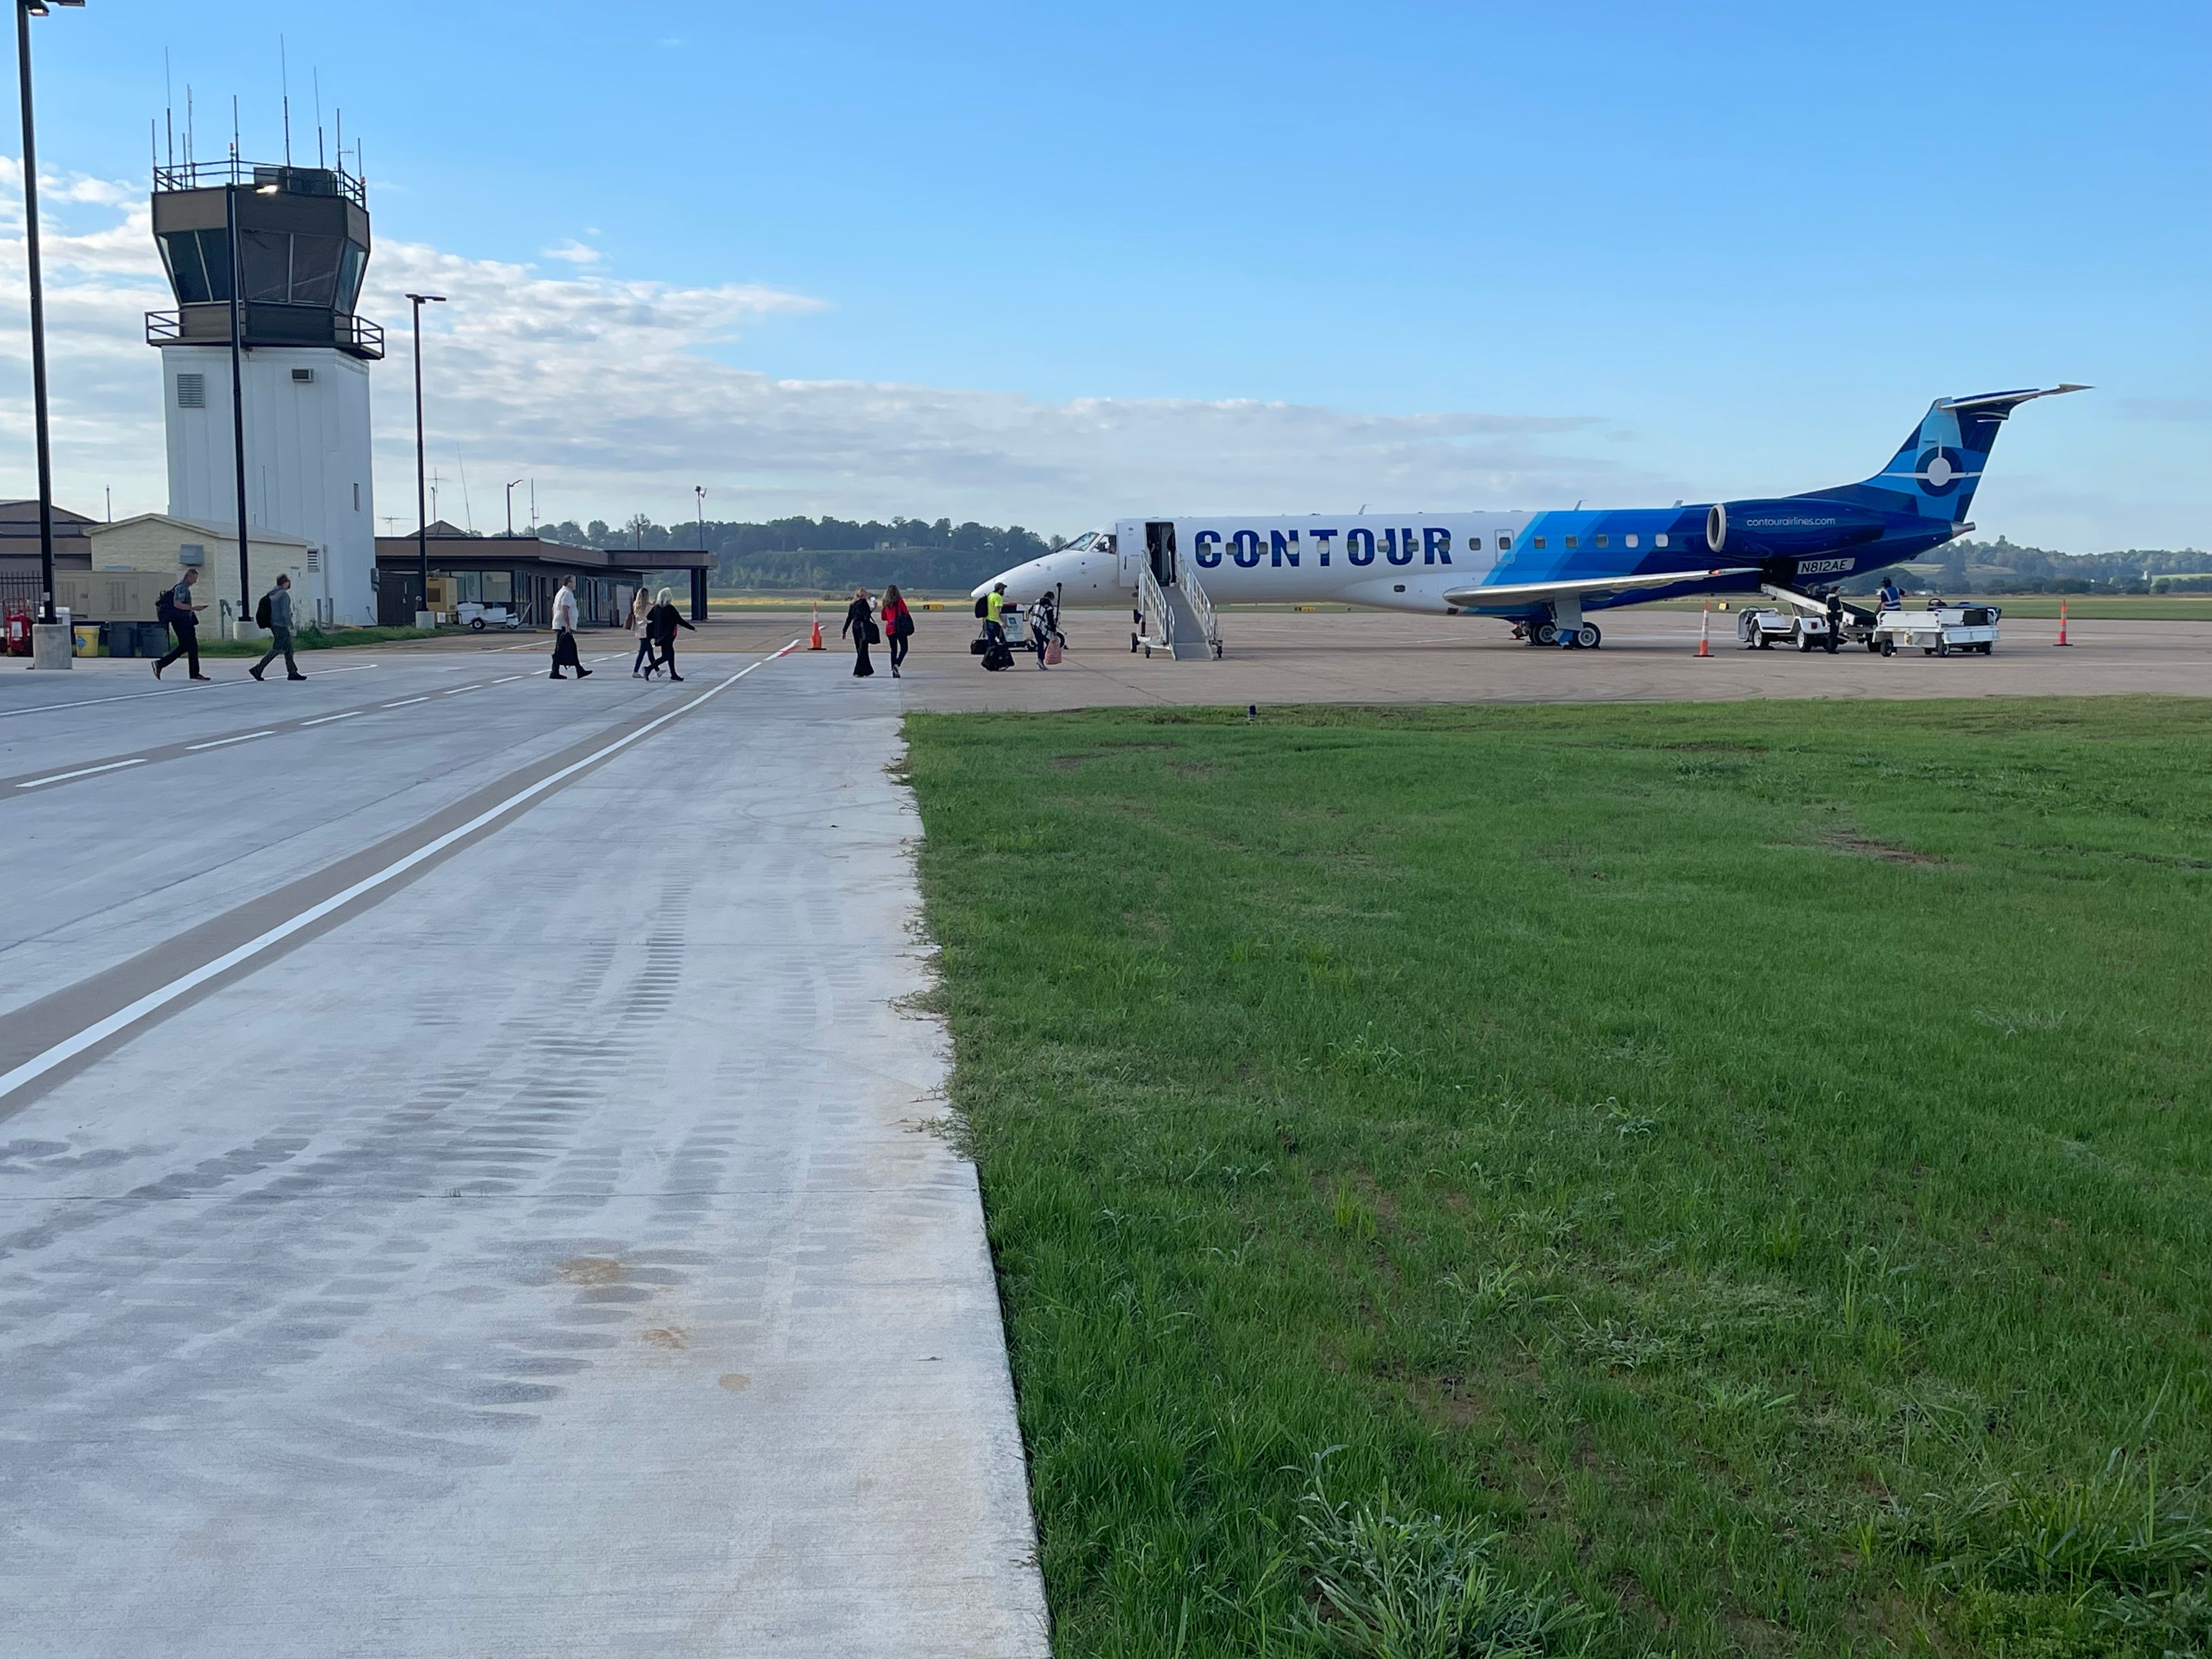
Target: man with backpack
x,y
183,616
275,614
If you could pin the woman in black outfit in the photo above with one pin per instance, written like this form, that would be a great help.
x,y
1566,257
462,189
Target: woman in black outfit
x,y
660,625
861,627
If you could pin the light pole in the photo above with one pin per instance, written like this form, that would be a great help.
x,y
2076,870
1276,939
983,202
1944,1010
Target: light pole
x,y
25,11
510,506
699,578
422,496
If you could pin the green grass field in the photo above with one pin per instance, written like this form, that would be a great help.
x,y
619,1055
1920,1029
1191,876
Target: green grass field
x,y
1686,1178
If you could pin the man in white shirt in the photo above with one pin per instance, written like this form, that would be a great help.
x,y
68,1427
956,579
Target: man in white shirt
x,y
565,619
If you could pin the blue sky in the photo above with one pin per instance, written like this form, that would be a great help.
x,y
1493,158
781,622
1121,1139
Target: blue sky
x,y
1456,255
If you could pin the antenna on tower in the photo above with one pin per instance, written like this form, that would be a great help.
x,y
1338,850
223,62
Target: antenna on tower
x,y
190,127
233,137
340,114
319,161
169,105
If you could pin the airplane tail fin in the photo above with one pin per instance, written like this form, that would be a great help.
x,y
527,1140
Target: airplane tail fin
x,y
1939,465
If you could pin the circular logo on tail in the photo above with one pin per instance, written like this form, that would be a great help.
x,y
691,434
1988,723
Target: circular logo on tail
x,y
1938,470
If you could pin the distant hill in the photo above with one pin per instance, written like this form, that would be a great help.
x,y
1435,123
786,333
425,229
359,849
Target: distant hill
x,y
829,555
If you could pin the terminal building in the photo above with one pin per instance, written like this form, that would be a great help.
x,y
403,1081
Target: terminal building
x,y
521,572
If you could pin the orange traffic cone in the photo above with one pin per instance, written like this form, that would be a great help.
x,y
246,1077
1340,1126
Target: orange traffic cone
x,y
814,640
2061,622
1705,631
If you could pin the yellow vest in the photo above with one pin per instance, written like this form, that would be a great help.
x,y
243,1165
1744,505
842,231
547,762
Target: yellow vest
x,y
993,604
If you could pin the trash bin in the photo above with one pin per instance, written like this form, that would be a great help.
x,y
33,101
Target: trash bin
x,y
84,639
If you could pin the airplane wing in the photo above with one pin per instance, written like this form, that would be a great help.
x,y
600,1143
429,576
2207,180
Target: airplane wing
x,y
1498,594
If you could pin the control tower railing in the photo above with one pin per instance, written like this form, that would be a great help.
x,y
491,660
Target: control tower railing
x,y
266,324
262,175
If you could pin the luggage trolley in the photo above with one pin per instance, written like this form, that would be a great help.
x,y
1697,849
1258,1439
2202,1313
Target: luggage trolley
x,y
1939,630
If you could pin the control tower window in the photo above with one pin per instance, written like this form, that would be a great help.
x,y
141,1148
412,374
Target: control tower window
x,y
267,255
199,264
315,270
351,264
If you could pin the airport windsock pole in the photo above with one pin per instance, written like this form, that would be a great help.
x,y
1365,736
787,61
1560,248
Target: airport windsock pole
x,y
2061,622
1705,631
814,640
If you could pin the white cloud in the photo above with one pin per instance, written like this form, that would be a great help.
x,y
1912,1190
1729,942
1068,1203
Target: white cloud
x,y
575,252
613,396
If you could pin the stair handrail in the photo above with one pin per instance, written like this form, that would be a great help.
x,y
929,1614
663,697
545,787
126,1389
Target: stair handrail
x,y
1209,627
1159,621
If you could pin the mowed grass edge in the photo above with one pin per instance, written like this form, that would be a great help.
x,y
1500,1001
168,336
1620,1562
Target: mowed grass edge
x,y
1734,1175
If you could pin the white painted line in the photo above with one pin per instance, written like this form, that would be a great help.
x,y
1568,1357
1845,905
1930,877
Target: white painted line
x,y
168,691
325,720
40,1063
243,737
84,772
404,702
458,689
511,677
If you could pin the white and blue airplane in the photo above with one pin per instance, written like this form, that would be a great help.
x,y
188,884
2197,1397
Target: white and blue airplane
x,y
1543,571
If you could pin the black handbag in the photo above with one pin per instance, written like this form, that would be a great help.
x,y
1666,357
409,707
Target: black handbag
x,y
875,635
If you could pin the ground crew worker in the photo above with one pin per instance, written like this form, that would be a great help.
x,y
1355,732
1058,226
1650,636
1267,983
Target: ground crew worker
x,y
1890,599
995,615
1835,618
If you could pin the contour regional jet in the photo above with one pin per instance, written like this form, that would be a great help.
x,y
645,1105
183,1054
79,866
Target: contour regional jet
x,y
1541,571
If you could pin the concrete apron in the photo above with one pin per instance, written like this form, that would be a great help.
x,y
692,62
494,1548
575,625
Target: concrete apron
x,y
555,1257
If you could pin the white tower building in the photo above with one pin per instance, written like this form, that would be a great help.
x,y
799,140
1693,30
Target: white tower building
x,y
300,359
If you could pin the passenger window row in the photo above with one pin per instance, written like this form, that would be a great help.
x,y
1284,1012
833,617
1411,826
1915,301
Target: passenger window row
x,y
1505,542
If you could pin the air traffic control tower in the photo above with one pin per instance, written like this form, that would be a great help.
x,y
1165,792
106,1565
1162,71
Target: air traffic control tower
x,y
301,357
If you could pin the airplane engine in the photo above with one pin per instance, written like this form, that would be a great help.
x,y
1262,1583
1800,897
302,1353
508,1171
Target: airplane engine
x,y
1788,528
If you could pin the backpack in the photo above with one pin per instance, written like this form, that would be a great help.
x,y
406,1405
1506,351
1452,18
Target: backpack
x,y
983,607
996,657
261,612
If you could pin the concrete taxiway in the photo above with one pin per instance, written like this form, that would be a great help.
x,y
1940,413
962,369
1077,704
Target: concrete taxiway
x,y
494,1203
1283,657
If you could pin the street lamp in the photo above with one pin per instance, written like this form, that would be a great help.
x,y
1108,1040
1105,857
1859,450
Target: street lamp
x,y
699,577
510,506
25,11
422,496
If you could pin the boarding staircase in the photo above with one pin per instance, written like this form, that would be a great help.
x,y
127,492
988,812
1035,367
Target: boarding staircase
x,y
1176,617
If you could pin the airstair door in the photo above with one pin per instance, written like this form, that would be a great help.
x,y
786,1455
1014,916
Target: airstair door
x,y
1160,547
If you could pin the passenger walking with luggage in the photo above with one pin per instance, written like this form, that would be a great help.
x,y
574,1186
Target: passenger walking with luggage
x,y
275,614
1044,630
661,623
178,609
898,625
1835,619
861,627
640,608
565,619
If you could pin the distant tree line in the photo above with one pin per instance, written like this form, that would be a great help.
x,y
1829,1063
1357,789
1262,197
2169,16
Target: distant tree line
x,y
2002,567
826,555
